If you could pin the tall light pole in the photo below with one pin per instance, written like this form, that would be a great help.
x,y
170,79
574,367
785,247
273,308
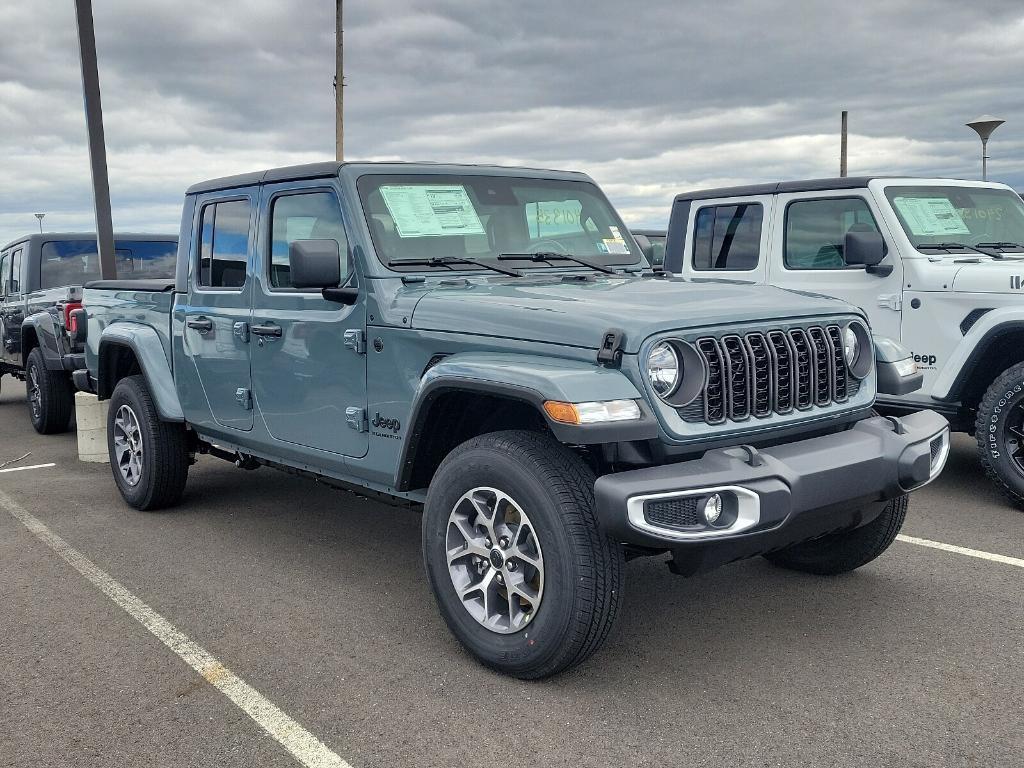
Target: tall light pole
x,y
984,126
843,133
97,144
40,217
339,85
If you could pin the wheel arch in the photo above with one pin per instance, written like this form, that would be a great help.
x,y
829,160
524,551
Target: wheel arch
x,y
39,330
469,394
995,348
128,350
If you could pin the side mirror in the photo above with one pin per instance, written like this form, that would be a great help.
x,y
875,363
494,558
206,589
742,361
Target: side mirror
x,y
867,248
314,263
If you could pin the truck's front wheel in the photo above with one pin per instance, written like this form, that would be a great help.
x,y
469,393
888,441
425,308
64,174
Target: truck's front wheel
x,y
999,430
847,550
148,457
522,574
50,400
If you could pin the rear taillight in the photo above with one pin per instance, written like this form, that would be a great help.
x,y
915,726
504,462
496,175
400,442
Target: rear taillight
x,y
70,320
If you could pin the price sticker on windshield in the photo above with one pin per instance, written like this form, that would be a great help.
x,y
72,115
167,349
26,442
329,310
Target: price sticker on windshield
x,y
928,216
421,210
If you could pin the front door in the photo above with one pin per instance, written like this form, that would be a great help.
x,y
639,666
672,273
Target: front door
x,y
811,232
215,334
308,354
13,307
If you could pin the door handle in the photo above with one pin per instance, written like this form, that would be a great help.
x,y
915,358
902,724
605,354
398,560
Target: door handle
x,y
268,331
201,324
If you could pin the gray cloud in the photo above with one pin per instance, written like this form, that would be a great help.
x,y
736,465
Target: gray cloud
x,y
650,97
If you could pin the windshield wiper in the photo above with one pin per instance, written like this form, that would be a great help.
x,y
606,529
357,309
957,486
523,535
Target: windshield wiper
x,y
546,256
949,247
449,261
1003,246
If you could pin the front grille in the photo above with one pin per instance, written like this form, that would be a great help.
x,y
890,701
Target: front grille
x,y
764,373
672,513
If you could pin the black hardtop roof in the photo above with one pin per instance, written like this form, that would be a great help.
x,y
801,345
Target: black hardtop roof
x,y
332,168
47,237
777,187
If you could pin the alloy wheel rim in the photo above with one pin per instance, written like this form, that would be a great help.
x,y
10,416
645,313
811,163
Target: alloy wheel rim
x,y
34,395
128,451
495,560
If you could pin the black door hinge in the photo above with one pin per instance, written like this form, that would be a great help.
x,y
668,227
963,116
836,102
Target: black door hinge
x,y
610,352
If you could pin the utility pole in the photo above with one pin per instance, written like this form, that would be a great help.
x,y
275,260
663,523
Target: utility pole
x,y
842,146
97,144
339,85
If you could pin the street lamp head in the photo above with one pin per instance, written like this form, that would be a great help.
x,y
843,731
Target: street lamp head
x,y
984,125
40,216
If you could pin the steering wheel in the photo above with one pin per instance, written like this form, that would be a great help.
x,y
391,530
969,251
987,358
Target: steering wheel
x,y
549,246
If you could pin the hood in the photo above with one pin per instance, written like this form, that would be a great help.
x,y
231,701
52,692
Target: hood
x,y
991,277
566,311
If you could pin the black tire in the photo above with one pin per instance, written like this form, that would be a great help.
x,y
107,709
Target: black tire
x,y
845,551
583,569
164,457
51,402
999,413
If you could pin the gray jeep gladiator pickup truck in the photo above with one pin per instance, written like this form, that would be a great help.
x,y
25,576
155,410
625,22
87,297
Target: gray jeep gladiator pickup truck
x,y
41,279
489,344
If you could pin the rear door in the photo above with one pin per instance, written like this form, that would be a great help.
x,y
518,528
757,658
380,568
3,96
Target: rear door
x,y
308,354
216,317
727,239
809,234
13,310
5,276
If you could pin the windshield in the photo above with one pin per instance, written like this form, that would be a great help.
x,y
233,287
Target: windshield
x,y
963,215
418,217
74,262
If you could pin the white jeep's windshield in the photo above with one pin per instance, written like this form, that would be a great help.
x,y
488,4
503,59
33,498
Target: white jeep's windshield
x,y
957,219
419,221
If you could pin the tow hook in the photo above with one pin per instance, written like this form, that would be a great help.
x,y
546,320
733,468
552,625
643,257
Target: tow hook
x,y
245,461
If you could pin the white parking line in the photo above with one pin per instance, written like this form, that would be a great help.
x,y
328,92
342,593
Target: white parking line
x,y
961,550
31,466
303,745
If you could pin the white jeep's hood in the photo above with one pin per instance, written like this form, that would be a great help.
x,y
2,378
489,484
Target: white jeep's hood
x,y
991,277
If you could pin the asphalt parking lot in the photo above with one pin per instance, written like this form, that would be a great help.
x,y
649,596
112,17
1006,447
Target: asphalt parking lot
x,y
317,600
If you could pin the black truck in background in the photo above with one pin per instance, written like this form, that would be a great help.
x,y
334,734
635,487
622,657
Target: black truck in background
x,y
41,278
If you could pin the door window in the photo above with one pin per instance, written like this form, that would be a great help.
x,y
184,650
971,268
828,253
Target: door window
x,y
816,230
727,237
224,244
5,264
309,216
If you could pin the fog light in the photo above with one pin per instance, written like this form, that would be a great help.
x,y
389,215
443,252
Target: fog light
x,y
712,508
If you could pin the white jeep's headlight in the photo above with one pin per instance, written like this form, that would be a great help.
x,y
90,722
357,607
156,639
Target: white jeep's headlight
x,y
663,369
851,346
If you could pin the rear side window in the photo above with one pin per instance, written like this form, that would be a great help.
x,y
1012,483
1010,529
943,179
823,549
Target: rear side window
x,y
816,230
224,244
312,216
15,286
727,237
74,262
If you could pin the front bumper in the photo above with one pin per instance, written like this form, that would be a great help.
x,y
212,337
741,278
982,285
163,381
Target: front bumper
x,y
774,497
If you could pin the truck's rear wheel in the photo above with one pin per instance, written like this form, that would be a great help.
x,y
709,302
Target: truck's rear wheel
x,y
148,457
522,574
999,430
847,550
50,400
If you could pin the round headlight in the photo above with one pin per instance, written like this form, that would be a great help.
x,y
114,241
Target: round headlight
x,y
663,368
851,346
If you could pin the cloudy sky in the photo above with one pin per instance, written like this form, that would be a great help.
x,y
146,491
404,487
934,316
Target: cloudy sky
x,y
651,97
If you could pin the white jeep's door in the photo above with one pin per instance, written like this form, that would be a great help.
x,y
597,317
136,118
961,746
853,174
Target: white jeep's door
x,y
726,239
808,234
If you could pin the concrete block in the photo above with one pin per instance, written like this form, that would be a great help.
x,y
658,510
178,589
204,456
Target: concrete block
x,y
91,417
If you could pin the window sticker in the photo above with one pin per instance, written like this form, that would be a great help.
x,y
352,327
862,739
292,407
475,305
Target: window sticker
x,y
927,216
615,245
420,210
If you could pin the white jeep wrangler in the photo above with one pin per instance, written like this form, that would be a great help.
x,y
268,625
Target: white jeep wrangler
x,y
937,264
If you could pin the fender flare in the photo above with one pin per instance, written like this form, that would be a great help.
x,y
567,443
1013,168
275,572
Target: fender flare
x,y
145,344
531,379
959,368
44,326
